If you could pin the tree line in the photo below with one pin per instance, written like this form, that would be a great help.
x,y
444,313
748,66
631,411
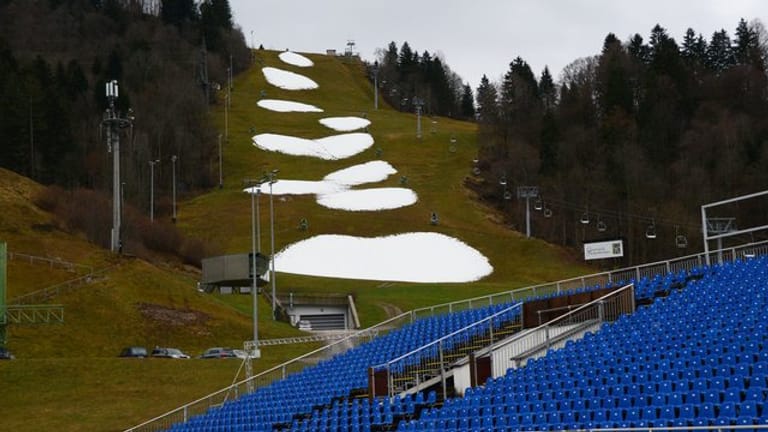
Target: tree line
x,y
637,137
168,57
406,78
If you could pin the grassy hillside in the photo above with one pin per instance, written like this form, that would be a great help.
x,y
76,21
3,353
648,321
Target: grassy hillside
x,y
433,172
66,376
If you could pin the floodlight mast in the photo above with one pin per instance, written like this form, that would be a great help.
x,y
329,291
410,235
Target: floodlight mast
x,y
114,121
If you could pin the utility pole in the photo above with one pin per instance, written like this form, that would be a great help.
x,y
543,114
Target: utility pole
x,y
152,189
173,168
114,122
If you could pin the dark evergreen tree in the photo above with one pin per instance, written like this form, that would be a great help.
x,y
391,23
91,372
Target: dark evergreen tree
x,y
720,53
467,103
177,12
487,102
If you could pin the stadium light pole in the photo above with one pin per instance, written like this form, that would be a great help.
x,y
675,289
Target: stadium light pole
x,y
152,164
173,170
255,191
114,121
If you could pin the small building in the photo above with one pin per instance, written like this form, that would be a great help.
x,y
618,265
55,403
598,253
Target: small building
x,y
330,52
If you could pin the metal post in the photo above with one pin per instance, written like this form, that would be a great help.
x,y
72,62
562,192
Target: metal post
x,y
442,369
152,189
376,85
226,119
528,217
114,122
221,172
254,293
272,241
173,167
704,234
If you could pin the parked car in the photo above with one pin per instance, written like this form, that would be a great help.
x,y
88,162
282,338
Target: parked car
x,y
6,355
222,353
134,351
173,353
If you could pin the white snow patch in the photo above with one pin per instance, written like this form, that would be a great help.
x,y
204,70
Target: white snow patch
x,y
328,148
410,257
369,199
345,124
288,80
369,172
295,59
287,106
299,187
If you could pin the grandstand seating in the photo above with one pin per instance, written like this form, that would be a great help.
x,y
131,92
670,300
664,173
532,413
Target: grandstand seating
x,y
696,356
315,392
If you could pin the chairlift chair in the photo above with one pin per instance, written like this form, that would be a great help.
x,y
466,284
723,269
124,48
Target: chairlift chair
x,y
601,226
650,232
681,241
507,195
547,212
538,204
585,218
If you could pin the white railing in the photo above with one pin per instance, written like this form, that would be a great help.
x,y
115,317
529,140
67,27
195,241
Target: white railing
x,y
50,262
516,350
613,277
432,359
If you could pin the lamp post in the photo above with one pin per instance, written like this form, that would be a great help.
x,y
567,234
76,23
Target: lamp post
x,y
152,189
272,180
114,121
221,170
376,85
255,190
173,170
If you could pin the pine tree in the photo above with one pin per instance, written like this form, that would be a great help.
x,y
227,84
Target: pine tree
x,y
487,102
467,102
547,90
638,49
720,53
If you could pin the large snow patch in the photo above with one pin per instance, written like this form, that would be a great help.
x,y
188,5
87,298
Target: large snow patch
x,y
345,124
329,148
288,80
295,59
287,106
368,199
410,257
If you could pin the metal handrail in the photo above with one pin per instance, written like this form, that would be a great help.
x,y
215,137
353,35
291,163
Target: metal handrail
x,y
448,336
51,261
613,276
592,313
54,290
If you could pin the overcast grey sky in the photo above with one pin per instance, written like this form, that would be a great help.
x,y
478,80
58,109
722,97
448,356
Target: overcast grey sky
x,y
481,36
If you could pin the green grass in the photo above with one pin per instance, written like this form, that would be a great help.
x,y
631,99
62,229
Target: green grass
x,y
66,376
